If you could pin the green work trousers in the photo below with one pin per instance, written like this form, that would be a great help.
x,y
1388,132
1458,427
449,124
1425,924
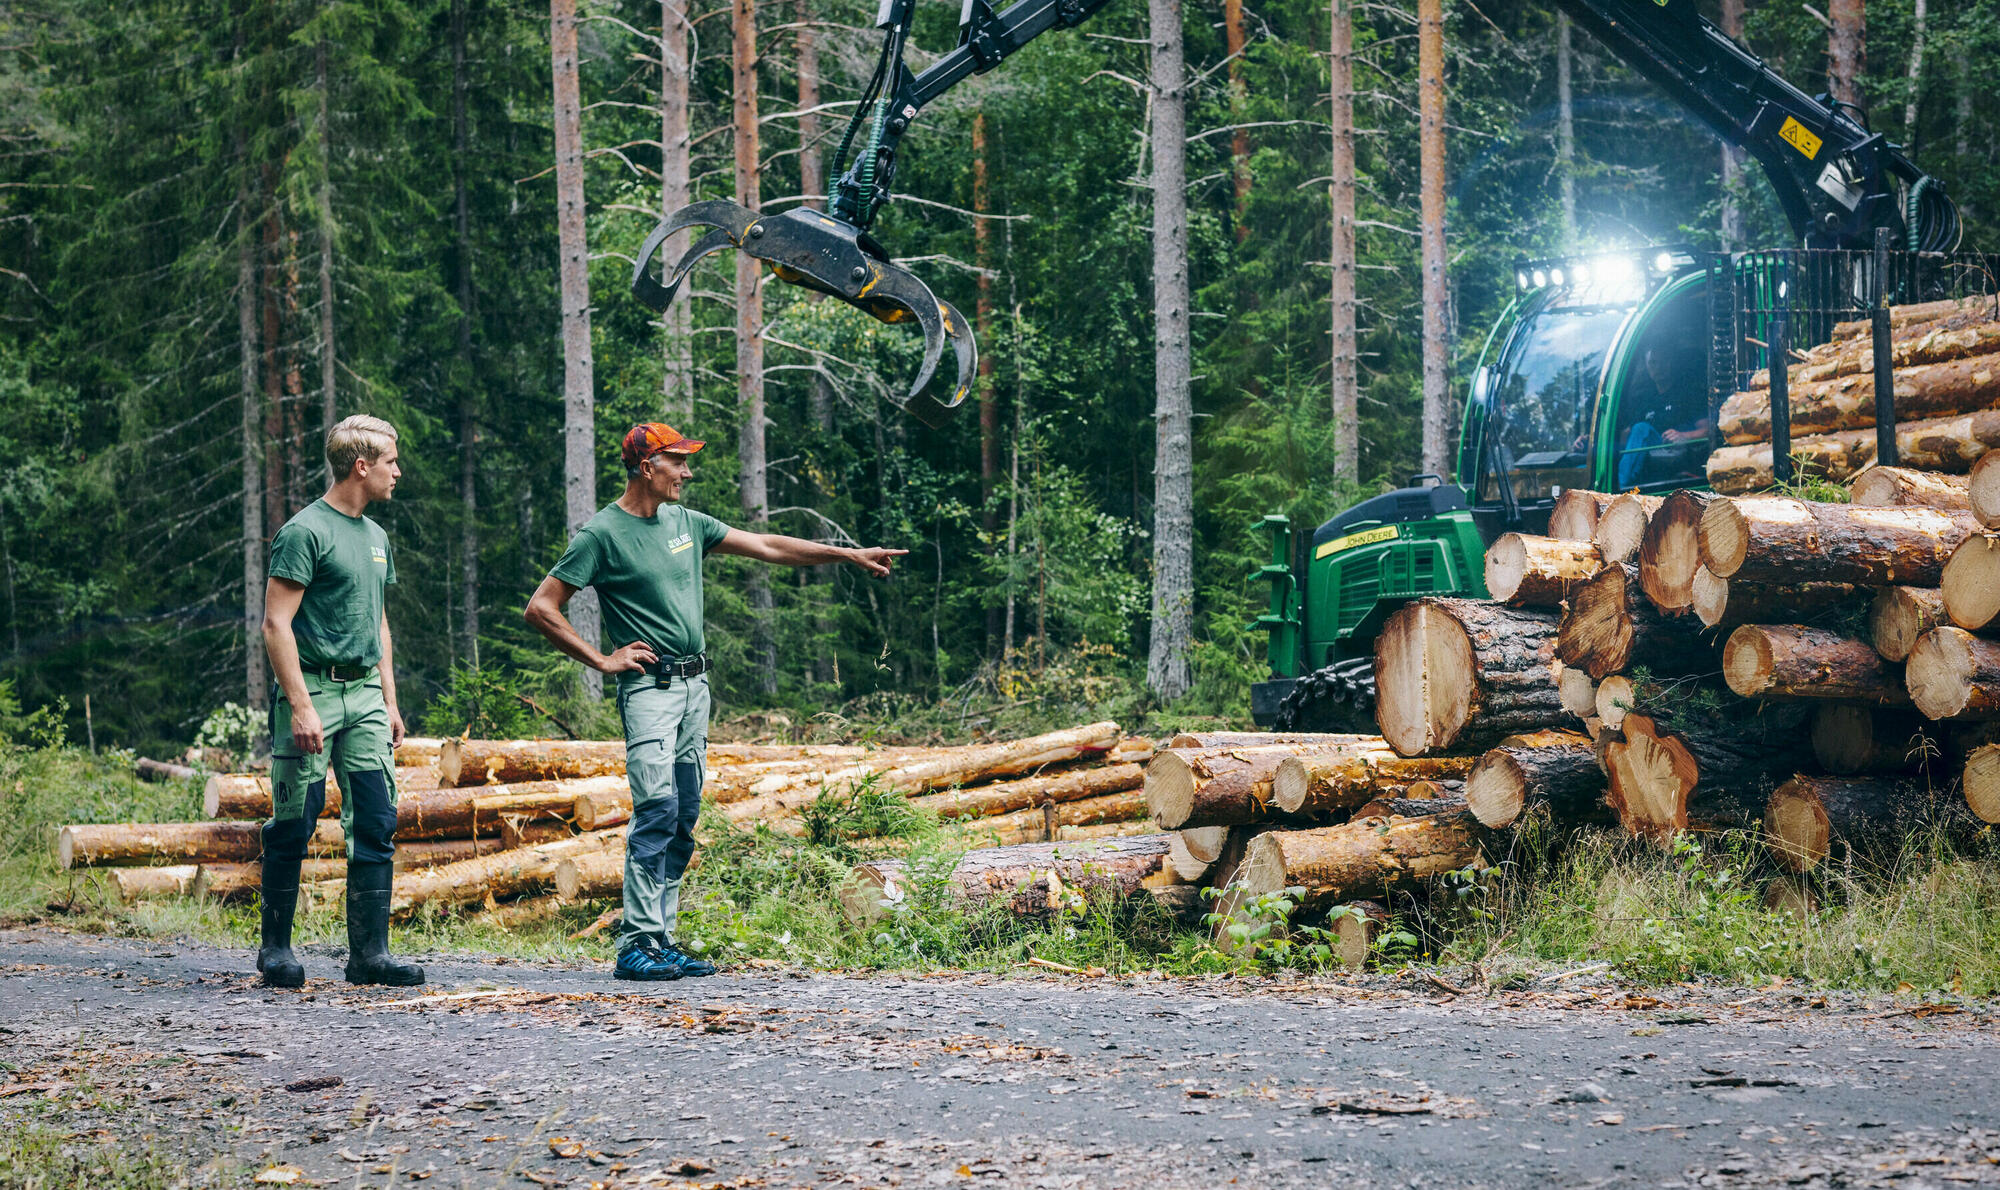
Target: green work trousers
x,y
666,745
354,721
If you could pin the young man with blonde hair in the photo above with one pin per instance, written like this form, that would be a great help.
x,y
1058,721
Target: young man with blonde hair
x,y
328,639
643,555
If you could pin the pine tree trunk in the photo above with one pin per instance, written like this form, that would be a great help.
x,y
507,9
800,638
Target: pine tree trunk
x,y
677,374
1437,418
1900,616
1733,238
1460,674
1901,487
1530,571
1609,627
1027,880
1367,858
1776,539
1173,459
989,401
1808,815
1335,782
1565,130
1924,391
1560,772
579,394
1794,661
1228,786
468,400
1670,551
1727,603
1239,92
256,691
1705,773
327,357
1846,50
753,483
1346,371
1951,444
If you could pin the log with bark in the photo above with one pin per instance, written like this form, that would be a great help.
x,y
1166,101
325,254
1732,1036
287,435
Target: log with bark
x,y
1459,674
594,874
498,877
1899,616
1982,490
1808,815
1953,674
465,811
1924,392
1621,530
1670,551
1724,604
1355,926
248,795
418,750
242,881
1409,807
1557,769
155,884
1529,571
1005,797
1945,313
1188,787
1610,627
1777,539
1894,487
1330,786
1029,880
1950,444
726,784
1257,739
597,809
1026,827
1849,739
154,844
1799,661
527,911
1791,895
149,769
1981,782
506,762
1705,772
1574,517
1358,860
1970,584
518,831
1126,806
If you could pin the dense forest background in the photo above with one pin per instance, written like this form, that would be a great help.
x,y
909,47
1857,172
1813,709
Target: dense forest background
x,y
223,222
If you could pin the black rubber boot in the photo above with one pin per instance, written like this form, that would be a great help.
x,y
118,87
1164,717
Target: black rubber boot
x,y
368,961
279,899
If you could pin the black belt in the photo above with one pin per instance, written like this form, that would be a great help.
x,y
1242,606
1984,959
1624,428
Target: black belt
x,y
339,673
687,667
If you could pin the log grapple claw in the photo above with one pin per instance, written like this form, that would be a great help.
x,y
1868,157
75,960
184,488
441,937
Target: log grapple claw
x,y
815,250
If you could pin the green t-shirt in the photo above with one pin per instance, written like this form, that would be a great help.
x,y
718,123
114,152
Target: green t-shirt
x,y
647,573
345,566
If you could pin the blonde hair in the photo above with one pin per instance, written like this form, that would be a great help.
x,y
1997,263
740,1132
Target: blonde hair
x,y
355,438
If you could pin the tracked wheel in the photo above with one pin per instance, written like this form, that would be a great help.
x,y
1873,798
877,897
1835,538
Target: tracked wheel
x,y
1340,697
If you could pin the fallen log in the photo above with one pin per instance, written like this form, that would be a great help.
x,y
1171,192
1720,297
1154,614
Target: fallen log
x,y
508,762
1725,604
1616,698
1005,797
591,875
595,810
1610,627
1797,661
1709,772
517,831
1953,674
1808,815
1970,584
1461,673
1981,782
155,844
1355,926
1670,550
476,810
527,911
1950,444
149,769
1847,402
1776,539
242,881
1307,787
1258,739
154,884
1560,773
726,784
1574,516
990,833
1358,860
1029,880
1894,487
1187,787
1982,490
418,750
1899,616
1529,571
1621,530
248,795
1032,824
1576,690
1409,807
1849,739
498,877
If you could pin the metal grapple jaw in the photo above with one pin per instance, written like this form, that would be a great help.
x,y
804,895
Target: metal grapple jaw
x,y
809,248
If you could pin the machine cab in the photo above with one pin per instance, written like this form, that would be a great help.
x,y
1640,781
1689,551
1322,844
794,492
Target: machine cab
x,y
1600,381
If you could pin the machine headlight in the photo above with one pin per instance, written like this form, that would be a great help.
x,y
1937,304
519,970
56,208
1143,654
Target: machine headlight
x,y
1541,278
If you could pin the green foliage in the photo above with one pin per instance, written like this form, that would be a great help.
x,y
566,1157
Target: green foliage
x,y
33,1157
233,728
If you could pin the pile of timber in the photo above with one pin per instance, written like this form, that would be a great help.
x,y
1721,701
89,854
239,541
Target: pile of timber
x,y
1946,360
1818,669
492,823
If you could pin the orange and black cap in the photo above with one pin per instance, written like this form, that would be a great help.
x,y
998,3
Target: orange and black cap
x,y
647,439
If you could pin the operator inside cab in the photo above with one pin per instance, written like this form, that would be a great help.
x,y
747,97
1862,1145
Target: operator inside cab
x,y
1667,438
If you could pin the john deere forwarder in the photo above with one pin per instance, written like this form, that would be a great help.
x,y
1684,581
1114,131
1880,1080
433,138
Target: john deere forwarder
x,y
1606,371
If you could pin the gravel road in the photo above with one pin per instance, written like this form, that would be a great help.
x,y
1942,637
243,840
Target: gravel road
x,y
511,1075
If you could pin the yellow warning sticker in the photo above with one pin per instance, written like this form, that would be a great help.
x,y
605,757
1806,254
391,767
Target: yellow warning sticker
x,y
1796,135
1365,537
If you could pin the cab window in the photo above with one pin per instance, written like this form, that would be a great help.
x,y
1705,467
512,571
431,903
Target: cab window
x,y
1660,437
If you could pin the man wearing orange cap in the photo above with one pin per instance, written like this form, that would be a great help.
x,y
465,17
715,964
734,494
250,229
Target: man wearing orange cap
x,y
642,554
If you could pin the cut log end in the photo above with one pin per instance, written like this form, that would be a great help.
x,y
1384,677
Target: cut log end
x,y
1983,490
1574,517
1428,694
1891,487
1577,691
1899,617
1530,571
1724,538
1982,782
1170,789
1496,791
1796,825
1671,550
1205,843
1622,527
1970,585
1747,661
1615,697
1650,777
1952,674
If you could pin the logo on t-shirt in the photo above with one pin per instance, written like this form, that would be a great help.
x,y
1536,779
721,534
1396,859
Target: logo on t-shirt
x,y
684,541
381,555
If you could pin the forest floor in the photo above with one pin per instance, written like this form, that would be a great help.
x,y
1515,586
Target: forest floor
x,y
160,1062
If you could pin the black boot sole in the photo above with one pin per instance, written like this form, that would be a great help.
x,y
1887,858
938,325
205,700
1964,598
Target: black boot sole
x,y
377,979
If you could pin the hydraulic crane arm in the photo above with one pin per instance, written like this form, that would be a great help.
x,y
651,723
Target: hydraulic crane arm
x,y
1837,181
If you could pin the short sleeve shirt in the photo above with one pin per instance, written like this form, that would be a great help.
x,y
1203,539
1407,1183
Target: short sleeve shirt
x,y
345,565
647,574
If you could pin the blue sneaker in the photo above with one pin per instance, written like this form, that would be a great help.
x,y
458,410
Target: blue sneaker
x,y
689,965
640,961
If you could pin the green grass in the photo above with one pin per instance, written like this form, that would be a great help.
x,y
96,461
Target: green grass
x,y
1927,916
34,1157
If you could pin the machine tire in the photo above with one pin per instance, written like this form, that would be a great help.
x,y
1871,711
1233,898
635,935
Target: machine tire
x,y
1340,697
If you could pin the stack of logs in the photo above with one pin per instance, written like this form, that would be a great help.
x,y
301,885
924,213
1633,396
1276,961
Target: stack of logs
x,y
519,828
1946,357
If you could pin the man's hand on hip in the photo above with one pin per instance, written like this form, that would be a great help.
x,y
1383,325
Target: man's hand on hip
x,y
306,731
635,656
875,559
